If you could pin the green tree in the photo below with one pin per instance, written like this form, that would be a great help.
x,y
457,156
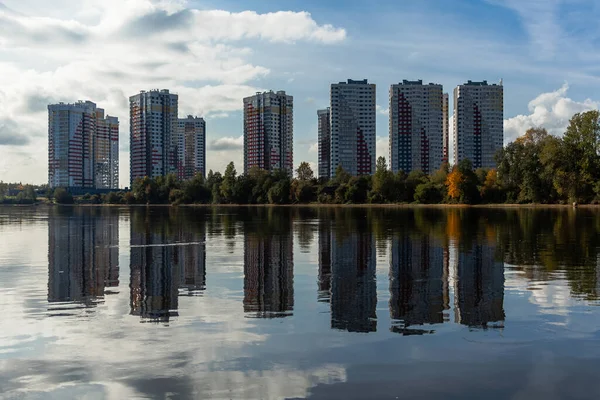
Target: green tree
x,y
428,193
383,187
358,190
227,189
341,175
280,192
112,198
61,196
469,191
304,172
414,179
582,145
196,191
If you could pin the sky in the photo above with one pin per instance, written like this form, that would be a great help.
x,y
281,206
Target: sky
x,y
214,53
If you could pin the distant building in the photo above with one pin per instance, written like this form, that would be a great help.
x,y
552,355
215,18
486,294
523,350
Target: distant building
x,y
269,131
153,126
83,147
416,126
478,123
324,144
191,147
446,130
353,126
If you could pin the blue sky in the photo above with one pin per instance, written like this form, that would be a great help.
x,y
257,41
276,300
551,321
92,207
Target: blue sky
x,y
546,52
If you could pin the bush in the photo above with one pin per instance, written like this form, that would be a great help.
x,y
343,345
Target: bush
x,y
177,196
112,198
61,196
428,193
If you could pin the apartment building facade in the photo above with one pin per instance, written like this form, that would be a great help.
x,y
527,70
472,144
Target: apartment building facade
x,y
353,127
269,132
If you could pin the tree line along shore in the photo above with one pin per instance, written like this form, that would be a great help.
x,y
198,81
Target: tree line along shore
x,y
537,168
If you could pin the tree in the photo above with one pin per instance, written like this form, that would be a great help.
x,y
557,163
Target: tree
x,y
383,183
305,172
196,191
358,189
439,176
112,198
490,190
61,196
428,193
582,146
341,175
414,179
228,184
280,192
468,188
521,170
454,183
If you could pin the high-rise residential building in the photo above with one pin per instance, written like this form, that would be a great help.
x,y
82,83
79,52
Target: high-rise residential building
x,y
446,130
107,151
324,144
83,147
353,126
478,123
153,126
191,147
416,126
269,131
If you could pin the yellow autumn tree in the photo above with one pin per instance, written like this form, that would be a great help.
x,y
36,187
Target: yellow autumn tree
x,y
453,183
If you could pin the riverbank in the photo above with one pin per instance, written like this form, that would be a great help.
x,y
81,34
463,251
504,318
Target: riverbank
x,y
316,205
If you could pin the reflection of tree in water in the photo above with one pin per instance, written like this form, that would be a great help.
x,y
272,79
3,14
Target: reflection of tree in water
x,y
544,244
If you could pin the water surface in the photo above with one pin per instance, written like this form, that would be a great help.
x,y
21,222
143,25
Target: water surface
x,y
274,303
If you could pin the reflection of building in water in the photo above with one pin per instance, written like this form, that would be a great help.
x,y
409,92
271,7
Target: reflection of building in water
x,y
324,294
192,259
153,283
353,286
83,257
479,287
268,275
168,258
418,283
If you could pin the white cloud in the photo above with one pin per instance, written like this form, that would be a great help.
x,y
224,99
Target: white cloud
x,y
383,111
382,146
313,148
107,51
227,143
551,110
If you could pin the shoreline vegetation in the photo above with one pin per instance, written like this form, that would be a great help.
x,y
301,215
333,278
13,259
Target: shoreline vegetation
x,y
536,170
